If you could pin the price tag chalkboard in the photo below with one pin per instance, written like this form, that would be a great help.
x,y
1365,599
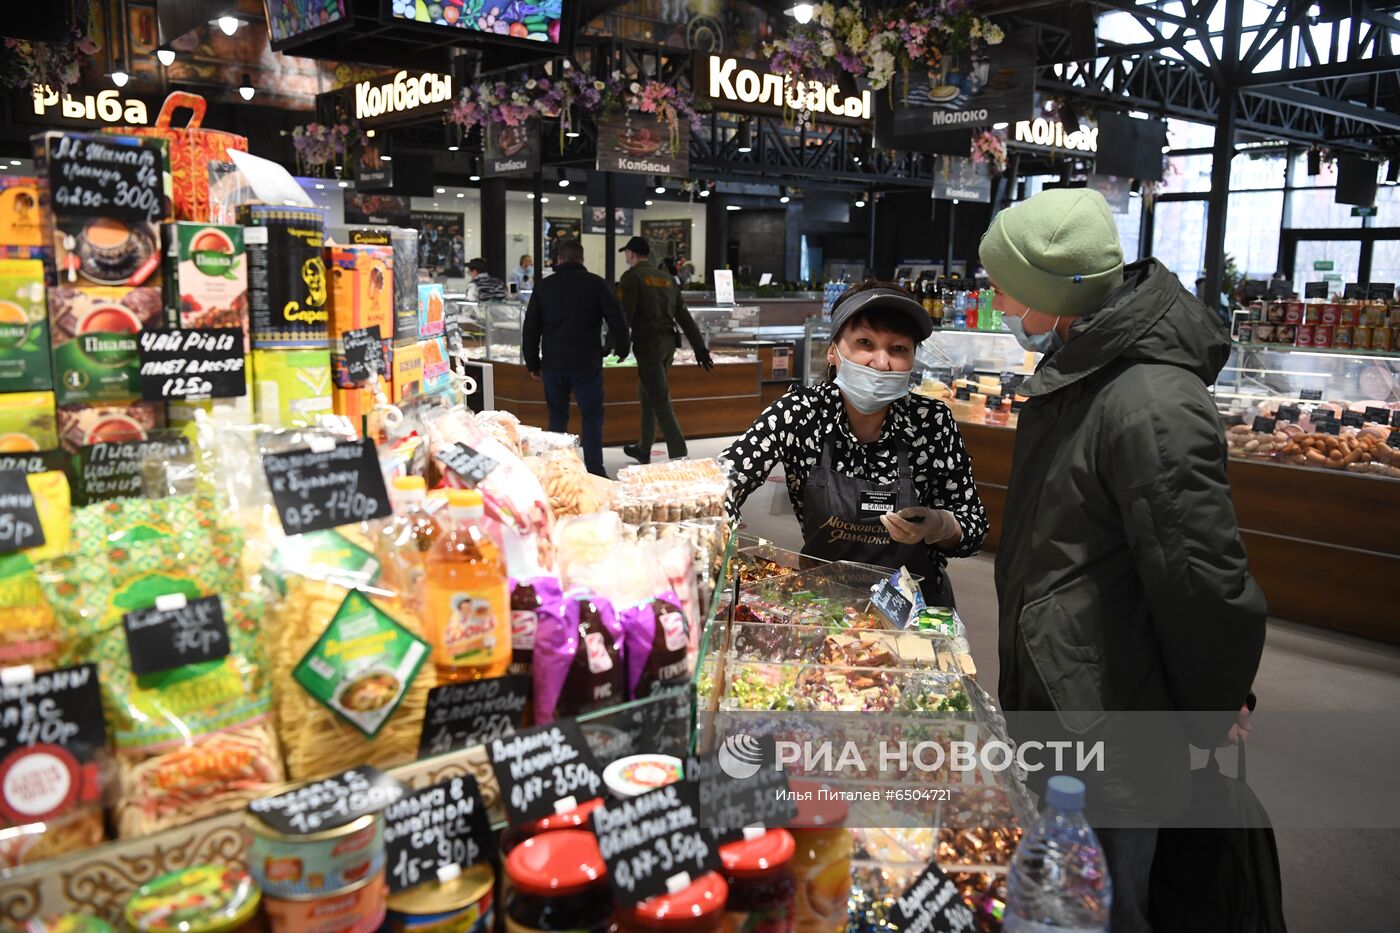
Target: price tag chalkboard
x,y
540,767
318,489
445,824
1314,289
38,461
1310,395
741,785
1377,415
118,470
1264,425
175,634
19,517
1017,404
1393,441
1289,413
364,354
661,725
1395,419
1328,426
202,362
932,904
654,843
106,176
473,713
467,463
1353,419
962,393
328,803
1381,291
39,714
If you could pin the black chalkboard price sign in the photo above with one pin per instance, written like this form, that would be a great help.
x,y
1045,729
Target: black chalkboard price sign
x,y
1353,419
740,785
325,485
51,736
1328,426
19,517
1289,413
445,824
364,354
1264,425
201,362
654,844
328,803
1393,441
1310,395
174,632
1377,415
544,770
121,469
468,463
473,713
932,904
105,176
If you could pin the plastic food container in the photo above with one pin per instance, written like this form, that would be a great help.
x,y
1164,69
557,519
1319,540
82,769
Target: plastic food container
x,y
200,899
461,904
558,882
762,888
315,864
636,774
698,908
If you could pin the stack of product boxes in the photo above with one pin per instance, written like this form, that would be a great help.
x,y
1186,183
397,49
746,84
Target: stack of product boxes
x,y
361,297
27,420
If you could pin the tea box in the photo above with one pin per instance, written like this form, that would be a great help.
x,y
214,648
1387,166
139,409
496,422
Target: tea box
x,y
291,388
27,422
287,283
108,423
206,276
94,335
24,327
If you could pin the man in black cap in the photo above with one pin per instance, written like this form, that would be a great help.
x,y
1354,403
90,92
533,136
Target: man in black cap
x,y
566,314
485,285
656,317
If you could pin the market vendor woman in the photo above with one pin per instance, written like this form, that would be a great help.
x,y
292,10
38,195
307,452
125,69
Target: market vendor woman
x,y
875,475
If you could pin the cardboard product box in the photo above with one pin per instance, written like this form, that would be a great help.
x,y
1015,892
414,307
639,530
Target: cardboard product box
x,y
361,297
291,387
437,367
408,372
21,221
24,327
94,336
206,276
354,403
27,422
405,246
432,311
108,422
287,283
106,197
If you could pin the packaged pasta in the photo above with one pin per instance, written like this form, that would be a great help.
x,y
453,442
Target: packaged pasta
x,y
29,630
188,741
52,741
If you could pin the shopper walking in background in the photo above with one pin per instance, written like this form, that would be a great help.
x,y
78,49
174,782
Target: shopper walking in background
x,y
483,286
524,274
566,315
657,316
1122,581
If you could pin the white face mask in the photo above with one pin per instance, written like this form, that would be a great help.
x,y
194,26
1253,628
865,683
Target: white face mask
x,y
869,390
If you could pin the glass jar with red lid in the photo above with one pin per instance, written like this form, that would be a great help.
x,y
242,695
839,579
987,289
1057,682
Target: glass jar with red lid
x,y
576,818
761,883
698,908
558,882
822,862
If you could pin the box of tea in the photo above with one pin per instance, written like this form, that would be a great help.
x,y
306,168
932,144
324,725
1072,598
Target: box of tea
x,y
27,422
432,311
437,367
408,372
94,335
291,387
24,327
21,222
361,296
206,276
108,423
287,285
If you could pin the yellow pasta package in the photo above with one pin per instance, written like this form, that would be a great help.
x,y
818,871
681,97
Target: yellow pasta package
x,y
29,632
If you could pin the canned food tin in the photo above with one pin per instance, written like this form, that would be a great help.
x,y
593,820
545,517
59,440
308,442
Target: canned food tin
x,y
1348,314
1246,332
1322,336
1304,337
1342,336
1273,312
199,899
1393,314
460,905
359,908
1293,312
1361,337
1256,311
1312,314
1285,333
315,864
1372,315
1330,314
1383,338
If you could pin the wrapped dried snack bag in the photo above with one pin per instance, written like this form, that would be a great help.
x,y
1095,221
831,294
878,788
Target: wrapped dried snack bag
x,y
657,640
29,630
578,657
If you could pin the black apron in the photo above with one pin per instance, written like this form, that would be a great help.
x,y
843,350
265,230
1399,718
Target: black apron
x,y
842,522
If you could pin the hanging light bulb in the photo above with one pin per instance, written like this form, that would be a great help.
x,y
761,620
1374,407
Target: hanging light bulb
x,y
745,136
246,89
228,24
860,200
704,192
660,187
563,182
474,169
802,12
119,78
166,55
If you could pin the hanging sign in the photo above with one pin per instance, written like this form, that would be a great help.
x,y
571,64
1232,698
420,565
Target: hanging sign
x,y
388,98
512,150
107,107
962,180
639,143
748,86
977,88
1052,134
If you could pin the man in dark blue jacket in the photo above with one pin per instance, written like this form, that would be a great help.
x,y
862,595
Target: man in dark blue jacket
x,y
567,312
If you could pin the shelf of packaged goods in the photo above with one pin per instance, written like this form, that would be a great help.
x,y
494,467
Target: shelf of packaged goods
x,y
721,402
1319,541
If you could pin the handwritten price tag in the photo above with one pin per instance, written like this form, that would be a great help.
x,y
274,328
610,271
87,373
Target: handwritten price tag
x,y
173,635
19,517
654,844
542,767
477,712
314,490
328,803
445,824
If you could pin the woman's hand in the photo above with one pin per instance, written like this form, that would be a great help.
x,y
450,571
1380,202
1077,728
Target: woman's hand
x,y
917,524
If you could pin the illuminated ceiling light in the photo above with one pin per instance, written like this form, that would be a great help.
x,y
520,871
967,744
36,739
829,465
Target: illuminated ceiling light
x,y
572,134
119,78
563,182
246,90
453,148
461,194
343,184
705,192
14,161
660,189
531,195
955,200
369,134
745,136
1000,126
474,169
543,200
802,12
228,24
648,202
573,197
165,55
784,199
441,191
320,187
732,207
860,202
386,158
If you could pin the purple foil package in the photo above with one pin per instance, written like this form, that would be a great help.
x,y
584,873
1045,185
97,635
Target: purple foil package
x,y
578,657
657,639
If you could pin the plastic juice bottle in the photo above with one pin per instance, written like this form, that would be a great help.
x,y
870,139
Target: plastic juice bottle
x,y
404,539
468,605
973,307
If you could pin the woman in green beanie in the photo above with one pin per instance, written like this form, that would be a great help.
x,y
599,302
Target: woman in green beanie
x,y
1122,581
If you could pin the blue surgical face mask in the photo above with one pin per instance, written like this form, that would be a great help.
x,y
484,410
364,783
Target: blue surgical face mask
x,y
1048,342
869,390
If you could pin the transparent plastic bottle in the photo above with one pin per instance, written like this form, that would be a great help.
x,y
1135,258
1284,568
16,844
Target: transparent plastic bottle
x,y
973,309
468,602
402,541
1059,881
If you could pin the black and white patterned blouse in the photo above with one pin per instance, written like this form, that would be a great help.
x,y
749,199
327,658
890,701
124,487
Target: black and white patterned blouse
x,y
792,430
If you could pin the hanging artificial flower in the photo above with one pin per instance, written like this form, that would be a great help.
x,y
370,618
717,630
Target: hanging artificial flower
x,y
989,146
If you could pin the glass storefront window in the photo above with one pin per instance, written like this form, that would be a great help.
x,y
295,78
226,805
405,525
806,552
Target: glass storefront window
x,y
1344,255
1301,178
1252,171
1252,231
1188,173
1317,208
1130,230
1385,260
1179,238
1387,209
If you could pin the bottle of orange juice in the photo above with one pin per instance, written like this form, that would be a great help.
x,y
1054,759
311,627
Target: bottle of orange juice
x,y
468,600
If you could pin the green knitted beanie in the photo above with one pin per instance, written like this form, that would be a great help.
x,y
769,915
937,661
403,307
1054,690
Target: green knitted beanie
x,y
1057,252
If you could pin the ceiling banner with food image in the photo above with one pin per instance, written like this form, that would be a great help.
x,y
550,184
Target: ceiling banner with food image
x,y
639,143
512,150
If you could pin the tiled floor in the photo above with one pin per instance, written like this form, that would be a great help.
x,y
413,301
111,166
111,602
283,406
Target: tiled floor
x,y
1333,880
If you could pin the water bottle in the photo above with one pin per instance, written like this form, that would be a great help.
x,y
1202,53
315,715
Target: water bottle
x,y
1059,882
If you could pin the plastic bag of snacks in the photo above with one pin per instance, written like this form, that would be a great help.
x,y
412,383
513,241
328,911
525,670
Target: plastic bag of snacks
x,y
503,426
191,740
578,660
672,491
572,490
535,443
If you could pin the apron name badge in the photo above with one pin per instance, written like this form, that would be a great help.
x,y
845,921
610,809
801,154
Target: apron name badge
x,y
878,501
